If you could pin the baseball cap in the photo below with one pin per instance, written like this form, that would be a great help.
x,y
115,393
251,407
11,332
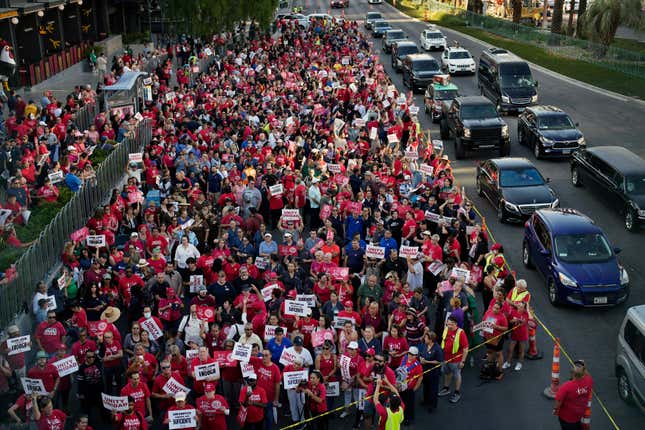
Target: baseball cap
x,y
370,351
353,345
413,350
41,354
297,340
180,396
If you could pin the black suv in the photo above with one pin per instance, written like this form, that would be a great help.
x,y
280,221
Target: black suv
x,y
615,173
475,124
418,70
549,131
399,51
514,186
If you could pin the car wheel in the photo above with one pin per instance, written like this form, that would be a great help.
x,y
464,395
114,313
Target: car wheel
x,y
501,212
575,177
536,150
444,130
630,220
526,256
478,187
624,388
460,150
552,292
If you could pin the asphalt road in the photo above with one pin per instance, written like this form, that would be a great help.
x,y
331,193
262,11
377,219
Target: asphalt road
x,y
517,402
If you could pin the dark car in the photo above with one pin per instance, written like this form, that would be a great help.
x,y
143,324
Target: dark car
x,y
371,17
575,258
400,50
419,70
476,125
514,186
392,36
549,131
339,3
379,27
616,174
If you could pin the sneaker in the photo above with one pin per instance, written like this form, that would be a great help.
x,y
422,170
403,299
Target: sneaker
x,y
506,365
444,392
518,366
455,398
344,414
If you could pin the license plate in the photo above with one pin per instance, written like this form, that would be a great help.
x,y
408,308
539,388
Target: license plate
x,y
566,151
600,300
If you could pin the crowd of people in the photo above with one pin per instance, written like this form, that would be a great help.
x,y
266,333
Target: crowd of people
x,y
291,243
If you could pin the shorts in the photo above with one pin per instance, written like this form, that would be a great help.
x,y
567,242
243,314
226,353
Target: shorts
x,y
496,348
452,369
369,409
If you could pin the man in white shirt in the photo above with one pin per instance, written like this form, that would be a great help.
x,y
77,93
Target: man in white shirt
x,y
301,352
314,203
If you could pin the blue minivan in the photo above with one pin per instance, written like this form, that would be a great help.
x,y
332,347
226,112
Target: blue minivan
x,y
575,258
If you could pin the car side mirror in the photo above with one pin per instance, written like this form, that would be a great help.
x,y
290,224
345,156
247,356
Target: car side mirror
x,y
548,180
545,252
577,124
617,250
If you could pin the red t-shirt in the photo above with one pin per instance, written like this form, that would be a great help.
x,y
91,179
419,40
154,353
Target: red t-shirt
x,y
448,343
268,376
521,333
574,396
50,335
55,421
211,411
49,375
319,391
140,394
396,346
133,421
157,388
254,414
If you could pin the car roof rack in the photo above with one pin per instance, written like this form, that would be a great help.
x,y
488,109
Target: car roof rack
x,y
495,50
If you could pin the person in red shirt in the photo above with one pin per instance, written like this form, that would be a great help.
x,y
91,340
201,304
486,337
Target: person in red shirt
x,y
316,398
389,406
396,346
268,374
65,384
50,334
572,398
138,391
48,192
46,416
519,319
493,335
180,400
212,409
163,399
254,399
45,372
82,345
455,351
413,371
130,419
380,373
201,359
127,282
147,363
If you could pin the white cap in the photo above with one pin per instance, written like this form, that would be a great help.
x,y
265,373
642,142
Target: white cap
x,y
180,396
353,345
413,350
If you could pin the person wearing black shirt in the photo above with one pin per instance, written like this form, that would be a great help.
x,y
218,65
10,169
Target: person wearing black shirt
x,y
159,287
221,289
191,270
395,225
243,281
394,263
90,382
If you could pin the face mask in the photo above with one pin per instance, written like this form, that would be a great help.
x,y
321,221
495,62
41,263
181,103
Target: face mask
x,y
147,315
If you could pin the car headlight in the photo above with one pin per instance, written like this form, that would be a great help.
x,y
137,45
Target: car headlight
x,y
641,212
566,280
505,99
545,141
624,277
511,207
555,203
466,132
534,99
505,130
581,141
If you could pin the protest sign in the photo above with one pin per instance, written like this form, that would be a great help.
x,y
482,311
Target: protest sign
x,y
66,366
115,403
16,345
426,169
287,250
345,362
319,337
4,215
411,155
377,252
338,126
269,331
170,95
431,216
436,267
354,207
334,168
247,369
195,282
345,60
309,299
150,325
339,273
470,229
261,262
290,214
33,385
56,177
437,144
460,273
207,371
182,419
362,393
339,322
486,326
267,291
287,358
135,157
292,379
96,240
206,313
332,389
392,138
408,251
172,387
292,307
276,190
51,303
241,352
192,353
359,122
224,358
373,133
414,110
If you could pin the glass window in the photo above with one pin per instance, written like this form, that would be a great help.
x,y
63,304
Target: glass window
x,y
445,94
515,75
555,122
459,55
527,177
635,184
425,65
478,111
636,341
582,248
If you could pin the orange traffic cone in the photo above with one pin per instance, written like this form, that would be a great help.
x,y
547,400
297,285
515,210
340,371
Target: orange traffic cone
x,y
551,390
426,15
586,418
533,353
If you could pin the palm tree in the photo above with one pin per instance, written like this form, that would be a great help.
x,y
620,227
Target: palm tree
x,y
582,7
516,5
556,19
603,17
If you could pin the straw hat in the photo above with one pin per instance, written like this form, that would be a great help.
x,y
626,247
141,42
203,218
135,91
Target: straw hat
x,y
111,314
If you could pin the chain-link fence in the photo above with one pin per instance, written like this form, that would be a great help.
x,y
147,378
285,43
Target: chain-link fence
x,y
621,60
44,255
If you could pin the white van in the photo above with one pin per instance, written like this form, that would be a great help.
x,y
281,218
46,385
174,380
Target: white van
x,y
630,357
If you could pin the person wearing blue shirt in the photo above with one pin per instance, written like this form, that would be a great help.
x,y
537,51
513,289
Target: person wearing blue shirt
x,y
388,242
355,257
277,344
268,246
431,357
354,225
72,181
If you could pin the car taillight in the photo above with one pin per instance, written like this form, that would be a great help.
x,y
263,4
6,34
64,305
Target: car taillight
x,y
526,224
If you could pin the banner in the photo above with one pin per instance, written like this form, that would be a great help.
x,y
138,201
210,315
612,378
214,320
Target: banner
x,y
241,352
377,252
115,403
353,207
309,299
408,251
287,358
291,214
136,157
172,387
292,379
333,389
182,419
32,385
16,345
205,313
287,250
153,329
66,366
341,273
292,307
276,190
344,368
207,371
96,240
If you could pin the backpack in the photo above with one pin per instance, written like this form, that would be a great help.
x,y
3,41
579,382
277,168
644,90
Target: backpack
x,y
489,371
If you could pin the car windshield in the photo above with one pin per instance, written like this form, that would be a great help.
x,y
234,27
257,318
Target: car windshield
x,y
555,122
582,248
459,55
395,35
434,35
522,177
429,65
516,75
445,94
478,111
381,24
402,51
635,184
374,15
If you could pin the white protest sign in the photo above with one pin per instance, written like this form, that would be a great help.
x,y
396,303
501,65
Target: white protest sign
x,y
333,389
16,345
136,157
191,353
291,214
408,251
369,81
115,403
292,379
386,103
338,126
276,190
437,144
362,393
392,138
460,273
345,60
486,326
353,87
436,267
269,331
339,322
411,155
153,329
96,240
287,358
414,110
51,303
373,133
32,385
241,352
207,371
170,96
268,291
56,177
360,122
426,169
377,252
309,299
261,262
432,216
4,214
182,419
195,282
247,369
172,387
344,368
66,366
292,307
333,168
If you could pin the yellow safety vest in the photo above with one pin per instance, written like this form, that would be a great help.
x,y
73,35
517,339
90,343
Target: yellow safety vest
x,y
455,344
394,419
515,297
